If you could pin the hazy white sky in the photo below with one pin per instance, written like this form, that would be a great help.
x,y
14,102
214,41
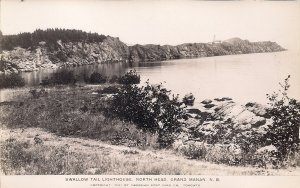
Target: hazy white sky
x,y
159,21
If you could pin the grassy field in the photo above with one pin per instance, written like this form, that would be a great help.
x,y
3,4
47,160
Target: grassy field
x,y
72,111
63,130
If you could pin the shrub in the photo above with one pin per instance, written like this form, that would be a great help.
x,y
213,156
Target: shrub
x,y
114,79
221,154
265,157
11,80
130,77
285,113
97,78
151,108
194,150
62,77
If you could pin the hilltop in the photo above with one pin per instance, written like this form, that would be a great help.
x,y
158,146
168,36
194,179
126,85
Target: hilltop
x,y
54,48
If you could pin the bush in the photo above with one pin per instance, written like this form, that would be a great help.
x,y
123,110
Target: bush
x,y
11,80
114,79
194,150
217,153
62,77
97,78
285,113
151,108
130,77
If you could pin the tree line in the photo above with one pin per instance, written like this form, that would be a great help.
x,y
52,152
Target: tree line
x,y
50,36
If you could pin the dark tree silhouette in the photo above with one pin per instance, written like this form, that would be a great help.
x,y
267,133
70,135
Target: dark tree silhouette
x,y
50,36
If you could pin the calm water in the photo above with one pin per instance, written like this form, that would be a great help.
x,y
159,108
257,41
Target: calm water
x,y
242,77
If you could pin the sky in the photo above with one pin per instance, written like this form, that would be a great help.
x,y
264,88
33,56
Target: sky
x,y
160,21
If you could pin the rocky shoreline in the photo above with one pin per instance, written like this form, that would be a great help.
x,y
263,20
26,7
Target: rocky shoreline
x,y
113,50
225,126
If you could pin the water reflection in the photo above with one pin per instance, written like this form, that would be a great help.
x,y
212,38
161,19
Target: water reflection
x,y
35,78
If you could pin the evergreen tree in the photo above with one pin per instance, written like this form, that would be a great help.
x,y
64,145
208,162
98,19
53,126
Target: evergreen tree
x,y
50,36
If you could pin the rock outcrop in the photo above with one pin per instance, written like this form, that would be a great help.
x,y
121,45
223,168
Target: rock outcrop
x,y
233,116
65,54
113,50
228,128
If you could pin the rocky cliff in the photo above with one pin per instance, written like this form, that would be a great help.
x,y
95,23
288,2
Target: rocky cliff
x,y
64,54
139,53
113,50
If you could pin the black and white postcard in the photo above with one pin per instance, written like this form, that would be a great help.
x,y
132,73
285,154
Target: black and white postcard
x,y
149,93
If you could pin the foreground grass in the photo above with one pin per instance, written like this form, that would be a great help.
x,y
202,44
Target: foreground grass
x,y
22,154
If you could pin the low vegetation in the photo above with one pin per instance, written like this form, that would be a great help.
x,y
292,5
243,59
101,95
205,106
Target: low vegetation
x,y
11,81
95,78
74,112
67,77
129,78
28,158
61,77
22,155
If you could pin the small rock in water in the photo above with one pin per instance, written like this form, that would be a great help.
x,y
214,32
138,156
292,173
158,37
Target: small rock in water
x,y
223,99
206,101
189,99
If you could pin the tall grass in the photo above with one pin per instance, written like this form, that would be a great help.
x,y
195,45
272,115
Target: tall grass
x,y
27,158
